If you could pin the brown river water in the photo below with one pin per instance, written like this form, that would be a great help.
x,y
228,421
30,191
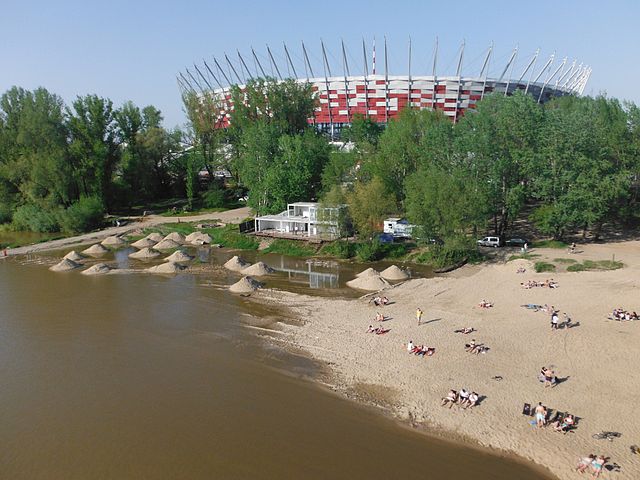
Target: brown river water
x,y
148,377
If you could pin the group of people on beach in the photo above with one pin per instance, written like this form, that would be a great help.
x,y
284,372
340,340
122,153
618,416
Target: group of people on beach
x,y
548,283
560,423
484,304
380,301
476,348
593,462
623,315
378,330
420,350
463,398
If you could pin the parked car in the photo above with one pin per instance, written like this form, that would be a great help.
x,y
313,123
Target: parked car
x,y
517,242
490,242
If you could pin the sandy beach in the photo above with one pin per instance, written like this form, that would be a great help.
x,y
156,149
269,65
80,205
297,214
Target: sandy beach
x,y
596,360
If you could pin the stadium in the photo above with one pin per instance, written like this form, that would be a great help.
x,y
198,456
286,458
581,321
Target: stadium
x,y
377,94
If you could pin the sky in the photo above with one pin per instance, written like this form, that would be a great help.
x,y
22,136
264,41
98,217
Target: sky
x,y
134,49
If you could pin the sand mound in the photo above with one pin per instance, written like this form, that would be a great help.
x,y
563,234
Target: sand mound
x,y
143,243
369,272
169,267
95,250
258,269
113,241
64,266
236,264
73,256
198,238
371,283
145,253
97,269
394,273
179,256
166,244
245,285
155,236
176,237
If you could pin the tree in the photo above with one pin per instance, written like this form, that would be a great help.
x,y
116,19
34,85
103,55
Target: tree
x,y
369,204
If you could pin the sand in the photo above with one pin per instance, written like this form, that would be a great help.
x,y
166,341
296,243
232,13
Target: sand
x,y
198,238
176,237
598,357
371,283
166,244
64,265
258,269
143,243
73,256
96,250
179,256
169,267
97,269
394,273
113,241
245,285
368,273
236,264
145,253
155,236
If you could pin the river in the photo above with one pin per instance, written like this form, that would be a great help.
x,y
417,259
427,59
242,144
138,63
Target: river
x,y
147,377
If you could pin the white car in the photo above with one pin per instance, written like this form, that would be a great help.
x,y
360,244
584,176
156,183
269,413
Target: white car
x,y
490,242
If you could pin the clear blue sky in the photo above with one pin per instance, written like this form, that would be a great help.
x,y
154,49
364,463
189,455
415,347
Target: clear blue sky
x,y
132,50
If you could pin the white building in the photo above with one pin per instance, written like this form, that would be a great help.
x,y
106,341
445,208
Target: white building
x,y
398,227
301,219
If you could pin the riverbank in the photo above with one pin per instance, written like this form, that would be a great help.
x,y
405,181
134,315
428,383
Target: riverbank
x,y
596,359
236,215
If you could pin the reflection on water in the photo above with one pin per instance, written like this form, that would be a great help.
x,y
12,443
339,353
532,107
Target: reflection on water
x,y
308,272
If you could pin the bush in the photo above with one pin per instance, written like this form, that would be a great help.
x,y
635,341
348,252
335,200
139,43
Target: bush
x,y
544,267
214,197
523,256
550,244
595,265
290,247
82,216
339,249
564,260
369,251
35,219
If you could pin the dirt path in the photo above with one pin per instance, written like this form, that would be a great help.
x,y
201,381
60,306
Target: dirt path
x,y
230,216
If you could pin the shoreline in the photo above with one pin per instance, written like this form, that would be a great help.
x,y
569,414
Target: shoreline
x,y
594,357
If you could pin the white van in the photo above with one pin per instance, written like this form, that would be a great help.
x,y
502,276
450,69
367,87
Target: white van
x,y
490,242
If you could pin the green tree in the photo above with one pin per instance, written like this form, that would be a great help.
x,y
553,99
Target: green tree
x,y
369,204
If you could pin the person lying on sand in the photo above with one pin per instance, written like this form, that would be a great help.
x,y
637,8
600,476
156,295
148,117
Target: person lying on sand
x,y
521,270
470,346
585,462
465,330
532,306
377,330
476,348
473,400
597,464
450,399
484,304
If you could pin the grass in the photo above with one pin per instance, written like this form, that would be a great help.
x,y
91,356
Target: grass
x,y
192,213
523,256
339,249
228,236
544,267
550,244
565,260
290,247
595,265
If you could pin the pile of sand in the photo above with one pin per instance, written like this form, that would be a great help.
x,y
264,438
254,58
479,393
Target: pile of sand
x,y
96,250
143,243
145,253
199,238
73,256
155,237
167,244
245,285
258,269
169,267
236,263
394,273
371,283
179,256
113,241
176,237
97,269
64,266
369,272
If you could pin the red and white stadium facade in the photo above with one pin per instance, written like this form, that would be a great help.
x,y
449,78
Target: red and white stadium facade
x,y
381,97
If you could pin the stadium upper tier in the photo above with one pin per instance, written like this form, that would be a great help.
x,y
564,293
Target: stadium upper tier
x,y
382,96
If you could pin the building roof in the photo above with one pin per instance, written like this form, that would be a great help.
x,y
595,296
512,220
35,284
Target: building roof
x,y
304,204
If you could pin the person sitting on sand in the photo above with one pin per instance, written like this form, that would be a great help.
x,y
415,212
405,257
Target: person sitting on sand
x,y
410,346
451,398
379,317
554,320
597,464
384,301
376,301
469,347
473,400
549,378
585,462
568,422
463,397
521,270
428,351
541,415
371,329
